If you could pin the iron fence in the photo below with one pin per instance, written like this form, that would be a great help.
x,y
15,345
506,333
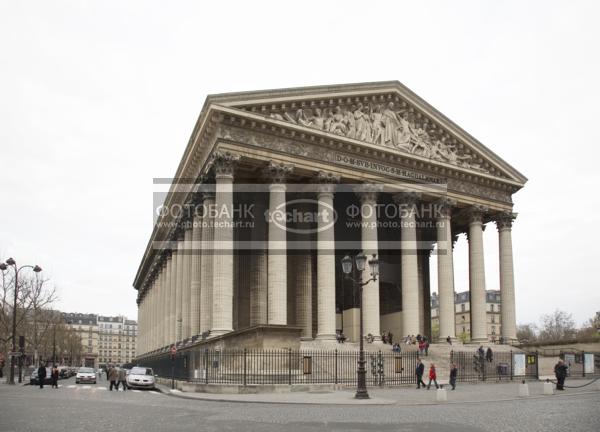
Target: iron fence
x,y
500,366
257,366
576,361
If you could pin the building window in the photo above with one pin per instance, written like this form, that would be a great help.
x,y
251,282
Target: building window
x,y
462,307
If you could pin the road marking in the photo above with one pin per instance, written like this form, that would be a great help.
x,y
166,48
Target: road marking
x,y
101,388
136,391
71,386
154,392
86,387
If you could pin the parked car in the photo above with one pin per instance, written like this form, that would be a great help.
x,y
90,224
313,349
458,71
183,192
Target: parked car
x,y
34,380
85,374
140,377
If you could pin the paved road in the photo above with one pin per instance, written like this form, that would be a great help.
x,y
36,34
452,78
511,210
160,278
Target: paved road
x,y
93,408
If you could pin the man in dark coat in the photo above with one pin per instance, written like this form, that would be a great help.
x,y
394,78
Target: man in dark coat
x,y
453,374
489,356
560,372
42,375
54,376
419,371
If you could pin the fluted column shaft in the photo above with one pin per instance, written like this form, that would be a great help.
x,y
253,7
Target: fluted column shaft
x,y
173,301
179,290
477,277
370,246
206,272
410,263
445,265
222,318
507,279
326,328
167,301
186,302
277,253
196,275
258,282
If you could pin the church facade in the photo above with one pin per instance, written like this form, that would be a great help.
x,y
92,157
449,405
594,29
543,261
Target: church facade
x,y
275,187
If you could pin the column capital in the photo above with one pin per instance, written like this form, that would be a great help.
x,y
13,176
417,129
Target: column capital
x,y
367,193
475,214
224,163
277,172
326,181
408,199
504,220
444,207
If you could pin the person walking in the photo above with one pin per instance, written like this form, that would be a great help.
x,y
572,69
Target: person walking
x,y
122,376
432,376
113,376
449,340
419,371
426,347
453,375
489,355
560,372
41,375
54,377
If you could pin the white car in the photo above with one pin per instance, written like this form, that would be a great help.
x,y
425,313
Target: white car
x,y
85,375
140,377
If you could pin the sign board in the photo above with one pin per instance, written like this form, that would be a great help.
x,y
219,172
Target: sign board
x,y
588,363
519,367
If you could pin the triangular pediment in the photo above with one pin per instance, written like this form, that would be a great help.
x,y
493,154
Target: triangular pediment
x,y
386,114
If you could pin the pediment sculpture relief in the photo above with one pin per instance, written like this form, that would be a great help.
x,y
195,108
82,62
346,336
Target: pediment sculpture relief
x,y
383,125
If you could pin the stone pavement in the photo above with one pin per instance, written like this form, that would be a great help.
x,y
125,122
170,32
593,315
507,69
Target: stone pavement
x,y
406,396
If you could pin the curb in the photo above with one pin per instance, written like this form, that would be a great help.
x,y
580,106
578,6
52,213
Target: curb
x,y
376,402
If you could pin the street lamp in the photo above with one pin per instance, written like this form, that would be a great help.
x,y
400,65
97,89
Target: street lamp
x,y
360,261
4,266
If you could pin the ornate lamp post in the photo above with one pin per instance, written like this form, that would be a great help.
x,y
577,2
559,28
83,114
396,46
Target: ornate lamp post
x,y
360,260
3,266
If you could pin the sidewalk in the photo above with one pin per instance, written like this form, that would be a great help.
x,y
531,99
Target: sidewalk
x,y
407,396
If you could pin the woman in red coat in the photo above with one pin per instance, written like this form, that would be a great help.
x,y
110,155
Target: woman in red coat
x,y
432,376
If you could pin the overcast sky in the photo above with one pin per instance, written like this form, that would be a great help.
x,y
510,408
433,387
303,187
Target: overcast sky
x,y
98,98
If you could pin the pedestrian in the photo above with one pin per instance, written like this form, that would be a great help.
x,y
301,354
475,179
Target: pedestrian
x,y
122,375
419,371
426,347
432,376
421,347
41,375
489,356
481,353
54,376
113,376
449,340
453,374
560,372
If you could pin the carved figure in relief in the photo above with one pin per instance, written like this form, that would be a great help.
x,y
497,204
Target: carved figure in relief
x,y
386,126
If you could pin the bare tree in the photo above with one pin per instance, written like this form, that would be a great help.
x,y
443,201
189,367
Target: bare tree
x,y
527,333
557,325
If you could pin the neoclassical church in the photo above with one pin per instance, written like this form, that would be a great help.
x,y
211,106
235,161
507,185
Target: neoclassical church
x,y
275,187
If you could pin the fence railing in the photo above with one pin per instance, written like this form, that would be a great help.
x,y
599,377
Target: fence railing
x,y
263,367
251,367
500,366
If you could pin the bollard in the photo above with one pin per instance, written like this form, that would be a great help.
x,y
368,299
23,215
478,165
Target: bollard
x,y
548,388
441,395
523,389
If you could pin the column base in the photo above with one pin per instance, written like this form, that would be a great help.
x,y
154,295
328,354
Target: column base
x,y
479,341
306,338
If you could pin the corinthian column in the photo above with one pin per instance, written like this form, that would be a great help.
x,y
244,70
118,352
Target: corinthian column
x,y
179,288
173,296
277,244
258,282
167,301
206,272
409,260
325,260
186,295
196,275
445,264
507,278
222,318
370,246
477,275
